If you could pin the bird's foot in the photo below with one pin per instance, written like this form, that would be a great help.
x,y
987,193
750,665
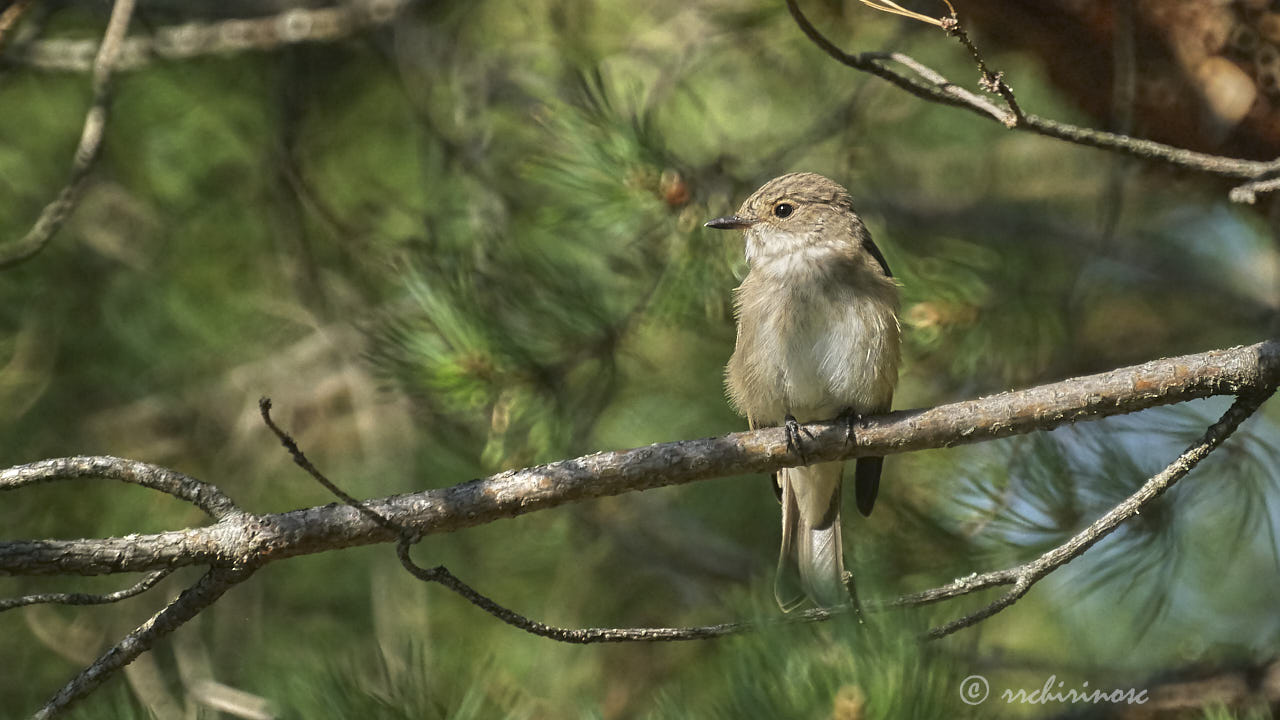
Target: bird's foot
x,y
851,419
847,578
794,431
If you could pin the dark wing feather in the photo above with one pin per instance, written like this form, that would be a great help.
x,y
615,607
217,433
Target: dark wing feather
x,y
866,475
869,245
867,482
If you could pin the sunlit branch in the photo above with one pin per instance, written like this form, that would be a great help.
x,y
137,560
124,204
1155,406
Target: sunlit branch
x,y
263,538
95,122
222,37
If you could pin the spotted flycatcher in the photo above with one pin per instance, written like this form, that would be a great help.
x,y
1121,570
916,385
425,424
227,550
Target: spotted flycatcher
x,y
817,338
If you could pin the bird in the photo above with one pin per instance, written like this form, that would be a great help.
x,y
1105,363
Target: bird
x,y
817,338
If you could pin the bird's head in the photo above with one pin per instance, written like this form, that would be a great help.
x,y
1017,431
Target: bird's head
x,y
799,214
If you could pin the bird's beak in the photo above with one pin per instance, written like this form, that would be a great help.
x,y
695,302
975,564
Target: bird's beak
x,y
731,222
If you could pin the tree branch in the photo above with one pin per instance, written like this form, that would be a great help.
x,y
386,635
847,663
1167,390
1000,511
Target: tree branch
x,y
934,88
95,122
242,538
239,543
581,636
190,603
137,588
223,37
215,503
10,17
1024,576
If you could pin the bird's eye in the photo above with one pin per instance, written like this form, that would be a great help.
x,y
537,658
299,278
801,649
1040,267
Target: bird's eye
x,y
783,210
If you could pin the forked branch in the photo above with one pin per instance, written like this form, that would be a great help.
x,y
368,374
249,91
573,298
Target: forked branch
x,y
1024,576
190,603
239,538
928,84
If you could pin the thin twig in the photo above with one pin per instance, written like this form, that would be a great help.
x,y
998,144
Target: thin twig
x,y
1022,577
10,17
944,92
138,588
948,94
1248,192
215,503
990,81
300,459
936,79
56,212
441,575
190,603
1025,576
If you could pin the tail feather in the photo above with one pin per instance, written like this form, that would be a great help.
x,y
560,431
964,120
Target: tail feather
x,y
811,561
866,483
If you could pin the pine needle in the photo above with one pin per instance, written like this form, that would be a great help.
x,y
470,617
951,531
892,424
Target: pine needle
x,y
894,8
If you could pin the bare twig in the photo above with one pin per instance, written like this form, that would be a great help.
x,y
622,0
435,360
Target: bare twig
x,y
56,212
440,574
138,588
299,458
1025,576
190,603
948,94
10,17
215,503
933,77
1248,192
223,37
990,81
265,538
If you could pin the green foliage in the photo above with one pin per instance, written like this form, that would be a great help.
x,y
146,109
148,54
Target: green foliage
x,y
415,687
839,669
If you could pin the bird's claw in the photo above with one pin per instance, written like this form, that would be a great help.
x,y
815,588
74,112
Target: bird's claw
x,y
847,579
851,419
794,431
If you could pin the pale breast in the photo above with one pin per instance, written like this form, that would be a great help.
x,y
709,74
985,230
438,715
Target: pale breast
x,y
813,349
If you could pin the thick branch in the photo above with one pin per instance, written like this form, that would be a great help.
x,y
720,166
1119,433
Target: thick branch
x,y
257,539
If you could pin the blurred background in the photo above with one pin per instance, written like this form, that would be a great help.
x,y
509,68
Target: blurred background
x,y
452,238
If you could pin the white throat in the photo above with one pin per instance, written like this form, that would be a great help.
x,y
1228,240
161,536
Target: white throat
x,y
783,254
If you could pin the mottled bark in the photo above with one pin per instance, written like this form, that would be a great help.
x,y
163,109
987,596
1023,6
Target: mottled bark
x,y
241,539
